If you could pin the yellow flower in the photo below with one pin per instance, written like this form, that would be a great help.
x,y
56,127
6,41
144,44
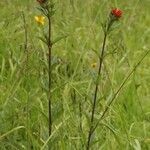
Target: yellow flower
x,y
40,19
93,65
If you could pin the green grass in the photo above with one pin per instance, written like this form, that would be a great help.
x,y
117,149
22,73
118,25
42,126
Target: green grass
x,y
125,127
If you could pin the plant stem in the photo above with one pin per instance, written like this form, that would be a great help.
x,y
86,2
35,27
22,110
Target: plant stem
x,y
49,74
27,75
96,91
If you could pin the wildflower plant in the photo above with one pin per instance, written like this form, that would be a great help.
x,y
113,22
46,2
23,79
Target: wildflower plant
x,y
114,16
46,7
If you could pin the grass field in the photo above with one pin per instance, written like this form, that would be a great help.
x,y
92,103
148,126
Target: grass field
x,y
24,80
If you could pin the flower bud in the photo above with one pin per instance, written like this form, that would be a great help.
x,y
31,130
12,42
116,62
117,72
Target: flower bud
x,y
117,13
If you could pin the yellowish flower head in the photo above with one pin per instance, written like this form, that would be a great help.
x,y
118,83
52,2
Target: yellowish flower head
x,y
93,65
40,20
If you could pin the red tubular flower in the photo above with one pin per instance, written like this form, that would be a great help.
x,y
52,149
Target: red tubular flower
x,y
116,12
41,1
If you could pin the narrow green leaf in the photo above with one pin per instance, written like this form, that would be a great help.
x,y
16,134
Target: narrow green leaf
x,y
43,40
58,39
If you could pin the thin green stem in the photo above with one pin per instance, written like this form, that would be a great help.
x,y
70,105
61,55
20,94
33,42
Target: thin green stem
x,y
95,92
49,75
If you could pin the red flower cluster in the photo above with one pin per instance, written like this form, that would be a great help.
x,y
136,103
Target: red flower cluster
x,y
116,12
41,1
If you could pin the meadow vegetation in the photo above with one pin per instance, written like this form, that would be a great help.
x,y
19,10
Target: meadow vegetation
x,y
77,37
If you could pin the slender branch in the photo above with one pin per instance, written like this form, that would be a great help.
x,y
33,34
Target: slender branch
x,y
96,91
49,73
25,33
